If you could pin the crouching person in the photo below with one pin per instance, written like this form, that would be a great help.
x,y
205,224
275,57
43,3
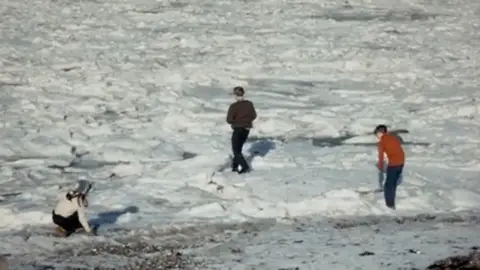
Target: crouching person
x,y
69,214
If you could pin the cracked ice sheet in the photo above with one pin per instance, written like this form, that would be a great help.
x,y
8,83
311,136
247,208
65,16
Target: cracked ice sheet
x,y
143,82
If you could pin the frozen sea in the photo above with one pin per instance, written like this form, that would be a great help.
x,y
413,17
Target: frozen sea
x,y
132,95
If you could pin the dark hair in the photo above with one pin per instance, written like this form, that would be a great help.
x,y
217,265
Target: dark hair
x,y
70,196
81,198
380,128
238,91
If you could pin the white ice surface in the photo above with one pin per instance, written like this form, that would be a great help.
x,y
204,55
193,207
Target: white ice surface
x,y
140,84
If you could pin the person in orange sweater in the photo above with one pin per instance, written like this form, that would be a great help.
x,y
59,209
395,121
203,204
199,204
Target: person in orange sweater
x,y
390,146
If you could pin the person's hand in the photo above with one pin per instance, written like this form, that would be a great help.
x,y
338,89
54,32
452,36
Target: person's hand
x,y
93,231
380,167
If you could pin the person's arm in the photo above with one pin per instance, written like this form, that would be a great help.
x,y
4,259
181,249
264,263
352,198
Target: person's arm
x,y
381,150
254,112
230,115
82,217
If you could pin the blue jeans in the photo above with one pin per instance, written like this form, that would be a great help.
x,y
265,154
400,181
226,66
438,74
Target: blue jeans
x,y
381,178
390,188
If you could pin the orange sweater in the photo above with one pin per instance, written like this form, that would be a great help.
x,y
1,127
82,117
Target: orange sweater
x,y
390,145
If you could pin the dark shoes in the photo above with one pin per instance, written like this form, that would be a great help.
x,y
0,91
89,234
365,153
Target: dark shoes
x,y
246,170
242,171
391,207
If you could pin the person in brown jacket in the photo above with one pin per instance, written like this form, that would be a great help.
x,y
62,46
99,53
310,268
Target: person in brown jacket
x,y
240,116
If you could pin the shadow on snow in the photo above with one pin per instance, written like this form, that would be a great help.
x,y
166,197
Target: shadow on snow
x,y
111,217
259,148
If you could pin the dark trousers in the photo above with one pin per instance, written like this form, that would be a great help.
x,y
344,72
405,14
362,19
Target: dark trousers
x,y
239,136
70,224
391,183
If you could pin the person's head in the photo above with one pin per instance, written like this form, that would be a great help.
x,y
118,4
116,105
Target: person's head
x,y
81,190
238,92
83,187
380,130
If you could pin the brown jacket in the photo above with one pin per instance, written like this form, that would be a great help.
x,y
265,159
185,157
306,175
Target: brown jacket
x,y
241,114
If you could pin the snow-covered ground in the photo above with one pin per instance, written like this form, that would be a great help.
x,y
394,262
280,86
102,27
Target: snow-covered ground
x,y
142,88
